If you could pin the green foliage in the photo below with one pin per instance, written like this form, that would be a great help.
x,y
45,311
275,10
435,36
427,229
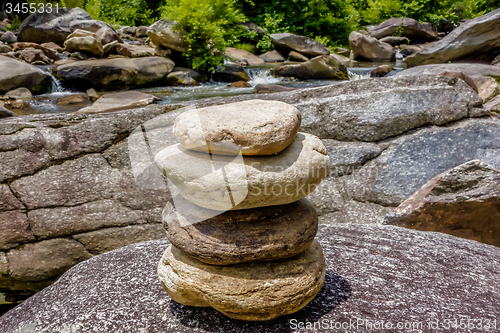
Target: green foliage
x,y
16,23
245,46
122,12
209,25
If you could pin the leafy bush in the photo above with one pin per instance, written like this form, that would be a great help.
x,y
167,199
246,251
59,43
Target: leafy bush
x,y
210,27
122,12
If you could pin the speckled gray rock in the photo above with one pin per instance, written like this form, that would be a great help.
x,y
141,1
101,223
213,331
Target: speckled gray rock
x,y
373,273
240,236
326,67
464,202
472,70
252,128
224,182
15,74
162,33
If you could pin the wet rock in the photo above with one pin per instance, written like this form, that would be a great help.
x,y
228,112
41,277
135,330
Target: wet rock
x,y
381,71
134,51
292,174
84,44
115,74
119,101
272,56
5,113
395,40
162,34
366,48
50,25
71,99
19,93
240,84
257,128
18,104
464,202
15,74
183,77
270,88
474,39
487,87
230,73
407,27
448,270
243,58
304,45
321,67
296,56
233,237
8,38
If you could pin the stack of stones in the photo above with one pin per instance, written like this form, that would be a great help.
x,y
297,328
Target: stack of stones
x,y
241,229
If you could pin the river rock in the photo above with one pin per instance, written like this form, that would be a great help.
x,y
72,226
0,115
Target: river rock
x,y
71,99
119,101
108,35
408,27
85,44
267,289
115,74
321,67
474,39
82,33
142,31
5,48
103,30
230,73
8,37
252,128
53,26
304,45
183,77
135,51
366,48
493,105
381,71
496,61
270,88
243,57
15,74
464,201
240,236
49,52
110,48
296,56
471,70
5,113
487,87
460,75
272,56
19,93
240,84
429,272
254,181
34,56
407,50
395,40
162,33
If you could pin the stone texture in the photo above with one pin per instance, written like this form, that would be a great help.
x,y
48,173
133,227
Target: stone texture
x,y
15,74
475,38
466,78
183,77
345,156
82,33
19,93
114,74
34,56
104,240
86,44
7,200
14,229
493,105
304,45
321,67
230,73
272,56
135,51
5,113
373,273
50,52
108,35
472,70
8,37
249,182
72,99
395,40
46,259
119,101
254,292
464,202
252,128
366,48
243,58
161,33
381,71
296,56
240,84
408,27
53,26
270,88
240,236
487,87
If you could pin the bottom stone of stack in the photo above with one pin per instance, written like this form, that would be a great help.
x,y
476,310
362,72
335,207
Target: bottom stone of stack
x,y
255,291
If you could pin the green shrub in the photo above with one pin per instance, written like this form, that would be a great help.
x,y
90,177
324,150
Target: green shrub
x,y
210,27
122,12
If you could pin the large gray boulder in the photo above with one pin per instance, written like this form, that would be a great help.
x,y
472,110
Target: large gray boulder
x,y
15,74
366,48
162,33
304,45
404,27
477,38
383,273
114,74
320,67
43,27
471,70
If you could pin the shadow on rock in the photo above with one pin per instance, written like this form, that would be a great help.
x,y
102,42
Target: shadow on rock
x,y
335,291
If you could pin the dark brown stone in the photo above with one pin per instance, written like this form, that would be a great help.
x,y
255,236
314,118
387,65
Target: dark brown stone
x,y
381,71
464,202
71,99
240,84
240,236
14,229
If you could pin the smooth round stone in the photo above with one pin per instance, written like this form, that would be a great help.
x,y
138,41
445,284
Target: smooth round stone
x,y
253,127
256,291
241,236
227,182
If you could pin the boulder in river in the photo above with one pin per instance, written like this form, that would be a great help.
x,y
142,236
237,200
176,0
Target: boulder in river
x,y
487,87
230,73
72,99
272,56
8,37
406,27
471,70
34,56
119,101
15,74
243,57
270,88
183,77
478,38
395,40
304,45
50,25
5,113
86,44
162,34
320,67
296,56
464,202
114,74
366,48
134,51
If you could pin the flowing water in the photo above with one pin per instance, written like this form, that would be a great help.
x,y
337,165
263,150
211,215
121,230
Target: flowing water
x,y
45,103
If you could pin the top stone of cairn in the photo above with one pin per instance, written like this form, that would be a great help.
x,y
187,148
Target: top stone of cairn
x,y
254,127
